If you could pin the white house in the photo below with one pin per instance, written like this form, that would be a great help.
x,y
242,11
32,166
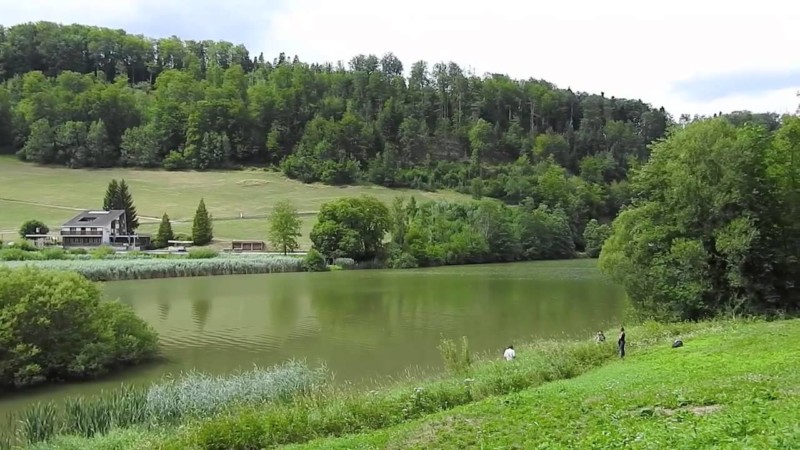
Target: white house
x,y
94,228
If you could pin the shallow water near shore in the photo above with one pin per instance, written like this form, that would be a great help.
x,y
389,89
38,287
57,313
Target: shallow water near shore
x,y
362,324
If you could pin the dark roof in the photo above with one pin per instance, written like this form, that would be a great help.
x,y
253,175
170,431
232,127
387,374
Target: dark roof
x,y
94,218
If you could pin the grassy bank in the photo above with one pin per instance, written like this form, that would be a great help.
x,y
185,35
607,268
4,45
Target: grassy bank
x,y
741,372
140,268
166,404
29,191
730,386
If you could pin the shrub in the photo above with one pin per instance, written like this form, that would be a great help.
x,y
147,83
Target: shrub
x,y
345,263
23,245
85,337
102,252
183,237
33,227
17,254
77,251
314,262
54,253
202,253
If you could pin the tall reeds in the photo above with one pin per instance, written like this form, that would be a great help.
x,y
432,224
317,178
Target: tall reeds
x,y
116,269
191,396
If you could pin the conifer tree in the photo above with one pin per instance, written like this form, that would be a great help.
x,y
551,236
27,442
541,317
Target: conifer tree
x,y
165,233
112,193
125,201
202,228
119,197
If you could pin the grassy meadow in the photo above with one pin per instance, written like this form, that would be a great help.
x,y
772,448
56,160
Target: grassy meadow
x,y
728,387
734,384
55,194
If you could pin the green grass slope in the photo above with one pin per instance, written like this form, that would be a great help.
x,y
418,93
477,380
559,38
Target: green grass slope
x,y
728,387
55,194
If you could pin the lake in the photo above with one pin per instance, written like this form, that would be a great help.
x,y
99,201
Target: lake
x,y
362,324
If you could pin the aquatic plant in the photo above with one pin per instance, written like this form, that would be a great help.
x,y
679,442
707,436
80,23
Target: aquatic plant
x,y
190,396
116,269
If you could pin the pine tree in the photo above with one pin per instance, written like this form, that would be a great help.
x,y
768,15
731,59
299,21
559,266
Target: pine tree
x,y
119,197
202,228
112,193
164,234
125,201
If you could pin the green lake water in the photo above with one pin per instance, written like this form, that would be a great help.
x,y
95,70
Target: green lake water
x,y
362,324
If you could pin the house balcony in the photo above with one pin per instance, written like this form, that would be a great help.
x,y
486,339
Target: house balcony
x,y
81,233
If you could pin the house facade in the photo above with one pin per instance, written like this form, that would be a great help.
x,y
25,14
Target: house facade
x,y
94,228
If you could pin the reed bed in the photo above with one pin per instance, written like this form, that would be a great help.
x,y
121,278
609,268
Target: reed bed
x,y
174,401
116,269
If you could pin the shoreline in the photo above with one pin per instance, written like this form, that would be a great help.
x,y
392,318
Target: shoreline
x,y
401,403
159,267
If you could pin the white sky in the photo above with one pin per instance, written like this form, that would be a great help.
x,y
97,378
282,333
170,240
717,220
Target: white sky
x,y
625,48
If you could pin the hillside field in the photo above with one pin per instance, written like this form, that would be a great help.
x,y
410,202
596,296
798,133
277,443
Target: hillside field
x,y
55,194
731,387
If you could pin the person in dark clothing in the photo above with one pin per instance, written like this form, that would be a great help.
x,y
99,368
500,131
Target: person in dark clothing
x,y
621,342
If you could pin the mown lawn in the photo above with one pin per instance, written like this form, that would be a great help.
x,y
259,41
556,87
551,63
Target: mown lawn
x,y
228,194
737,387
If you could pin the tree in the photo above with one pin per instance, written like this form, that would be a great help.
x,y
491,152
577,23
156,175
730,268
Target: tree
x,y
119,197
125,201
595,235
88,336
704,236
164,234
33,226
202,226
351,227
284,226
112,195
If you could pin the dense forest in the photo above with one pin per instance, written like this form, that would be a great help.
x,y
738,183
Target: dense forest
x,y
85,96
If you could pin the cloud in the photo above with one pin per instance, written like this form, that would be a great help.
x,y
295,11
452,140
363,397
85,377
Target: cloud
x,y
746,83
625,48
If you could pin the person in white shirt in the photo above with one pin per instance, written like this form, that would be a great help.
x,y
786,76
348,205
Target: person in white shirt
x,y
509,354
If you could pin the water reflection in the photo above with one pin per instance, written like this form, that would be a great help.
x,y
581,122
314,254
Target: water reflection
x,y
361,323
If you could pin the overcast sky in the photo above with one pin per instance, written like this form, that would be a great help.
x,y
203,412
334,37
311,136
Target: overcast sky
x,y
698,56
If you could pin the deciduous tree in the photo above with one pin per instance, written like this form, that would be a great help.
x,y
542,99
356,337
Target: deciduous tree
x,y
284,226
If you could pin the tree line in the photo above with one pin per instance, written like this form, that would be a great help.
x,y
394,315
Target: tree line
x,y
93,97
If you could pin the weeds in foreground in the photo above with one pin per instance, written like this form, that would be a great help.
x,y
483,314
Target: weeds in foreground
x,y
194,396
457,360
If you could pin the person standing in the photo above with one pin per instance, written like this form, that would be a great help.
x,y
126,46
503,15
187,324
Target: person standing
x,y
509,354
621,342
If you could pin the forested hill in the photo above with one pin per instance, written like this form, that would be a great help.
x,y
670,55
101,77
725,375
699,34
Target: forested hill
x,y
94,97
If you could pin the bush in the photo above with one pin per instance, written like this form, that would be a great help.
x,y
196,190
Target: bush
x,y
23,245
102,252
18,254
345,263
314,262
85,337
33,227
77,251
202,253
54,253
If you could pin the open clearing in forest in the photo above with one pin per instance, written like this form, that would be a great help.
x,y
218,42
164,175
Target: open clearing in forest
x,y
55,194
